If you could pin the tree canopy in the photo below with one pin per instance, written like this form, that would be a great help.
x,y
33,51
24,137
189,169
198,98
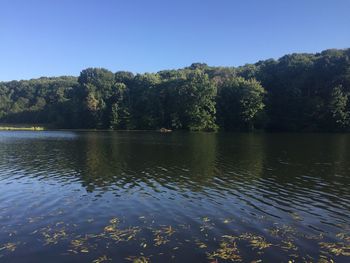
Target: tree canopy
x,y
297,92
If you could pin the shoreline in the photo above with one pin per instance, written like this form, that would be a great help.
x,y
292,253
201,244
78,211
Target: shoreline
x,y
12,128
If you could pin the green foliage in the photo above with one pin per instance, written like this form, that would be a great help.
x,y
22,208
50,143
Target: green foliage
x,y
338,108
297,92
239,103
98,86
190,102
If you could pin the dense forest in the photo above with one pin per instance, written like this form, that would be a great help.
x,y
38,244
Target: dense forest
x,y
297,92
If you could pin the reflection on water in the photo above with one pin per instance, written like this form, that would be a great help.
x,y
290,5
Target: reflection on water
x,y
180,197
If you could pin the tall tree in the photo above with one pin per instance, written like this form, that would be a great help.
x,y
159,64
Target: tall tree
x,y
239,103
339,109
191,102
98,85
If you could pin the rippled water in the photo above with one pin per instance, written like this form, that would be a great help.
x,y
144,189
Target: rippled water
x,y
180,197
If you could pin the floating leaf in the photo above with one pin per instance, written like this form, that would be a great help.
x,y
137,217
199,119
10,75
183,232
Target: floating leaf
x,y
101,259
9,247
135,259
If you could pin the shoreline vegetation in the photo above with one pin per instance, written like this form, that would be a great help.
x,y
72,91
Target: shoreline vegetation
x,y
21,128
299,92
43,128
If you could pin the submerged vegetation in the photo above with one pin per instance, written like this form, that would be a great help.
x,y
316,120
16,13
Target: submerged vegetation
x,y
298,92
234,247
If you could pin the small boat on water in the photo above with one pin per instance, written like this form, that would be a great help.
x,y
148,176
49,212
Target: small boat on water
x,y
165,130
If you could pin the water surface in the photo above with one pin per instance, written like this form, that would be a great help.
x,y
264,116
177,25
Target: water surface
x,y
180,197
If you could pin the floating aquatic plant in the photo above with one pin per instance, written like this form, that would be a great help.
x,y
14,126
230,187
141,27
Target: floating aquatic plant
x,y
296,216
102,259
9,247
227,251
282,231
228,247
255,241
200,244
288,245
324,259
338,249
53,235
160,240
207,224
81,245
161,236
226,221
117,234
141,259
344,236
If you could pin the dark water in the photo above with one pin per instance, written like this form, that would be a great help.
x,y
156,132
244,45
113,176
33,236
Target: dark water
x,y
180,197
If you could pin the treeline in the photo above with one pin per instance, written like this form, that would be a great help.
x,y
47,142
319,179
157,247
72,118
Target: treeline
x,y
298,92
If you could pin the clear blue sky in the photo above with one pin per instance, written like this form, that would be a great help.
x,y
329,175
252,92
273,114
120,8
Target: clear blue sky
x,y
62,37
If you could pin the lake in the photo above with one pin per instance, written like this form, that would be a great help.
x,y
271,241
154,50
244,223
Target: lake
x,y
177,197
